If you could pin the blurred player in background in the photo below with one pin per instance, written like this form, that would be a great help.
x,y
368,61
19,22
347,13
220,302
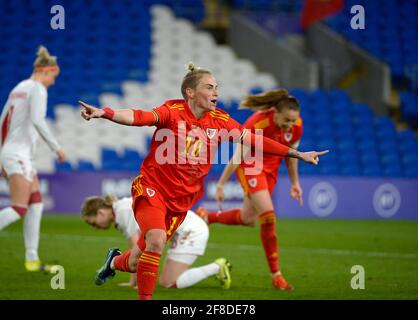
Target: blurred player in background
x,y
188,243
172,175
277,115
22,121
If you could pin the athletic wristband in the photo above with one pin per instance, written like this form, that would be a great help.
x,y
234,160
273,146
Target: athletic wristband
x,y
108,113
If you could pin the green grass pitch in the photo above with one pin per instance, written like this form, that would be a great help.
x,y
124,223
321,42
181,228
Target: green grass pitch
x,y
316,257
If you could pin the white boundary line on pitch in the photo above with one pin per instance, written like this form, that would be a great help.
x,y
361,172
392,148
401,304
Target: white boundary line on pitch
x,y
339,252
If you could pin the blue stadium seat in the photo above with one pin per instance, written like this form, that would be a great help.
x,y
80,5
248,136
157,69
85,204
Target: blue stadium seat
x,y
370,158
347,159
372,170
408,147
367,146
406,135
256,90
410,159
241,115
393,171
409,107
362,113
338,95
411,171
112,166
111,160
65,166
344,132
307,143
390,159
347,146
131,160
319,98
330,158
386,147
383,123
322,130
350,170
330,169
84,165
131,155
325,144
234,104
342,118
308,169
363,133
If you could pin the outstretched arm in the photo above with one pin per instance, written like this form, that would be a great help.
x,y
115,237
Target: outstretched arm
x,y
270,146
127,117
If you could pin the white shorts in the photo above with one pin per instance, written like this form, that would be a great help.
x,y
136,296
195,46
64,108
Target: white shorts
x,y
186,258
13,164
189,240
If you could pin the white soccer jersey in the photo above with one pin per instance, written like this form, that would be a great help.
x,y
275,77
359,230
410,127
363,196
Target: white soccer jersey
x,y
23,120
124,217
191,237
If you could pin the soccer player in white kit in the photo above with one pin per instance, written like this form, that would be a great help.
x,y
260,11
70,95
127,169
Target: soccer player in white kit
x,y
22,122
188,243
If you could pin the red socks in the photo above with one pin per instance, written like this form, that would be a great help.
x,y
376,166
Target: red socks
x,y
121,262
147,274
269,239
226,217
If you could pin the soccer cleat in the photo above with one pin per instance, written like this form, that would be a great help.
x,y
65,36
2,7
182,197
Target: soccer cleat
x,y
279,282
37,265
106,273
203,213
224,274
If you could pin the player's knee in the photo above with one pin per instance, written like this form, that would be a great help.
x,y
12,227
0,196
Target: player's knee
x,y
156,245
249,221
155,241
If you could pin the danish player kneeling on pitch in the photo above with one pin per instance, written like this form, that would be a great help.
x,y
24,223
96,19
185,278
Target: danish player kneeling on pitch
x,y
188,243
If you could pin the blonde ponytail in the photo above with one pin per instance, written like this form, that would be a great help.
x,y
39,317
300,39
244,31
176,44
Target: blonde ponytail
x,y
191,79
44,59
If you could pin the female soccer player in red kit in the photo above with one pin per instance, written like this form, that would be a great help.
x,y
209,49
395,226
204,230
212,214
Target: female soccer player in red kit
x,y
172,175
277,114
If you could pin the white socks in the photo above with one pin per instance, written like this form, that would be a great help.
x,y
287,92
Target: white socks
x,y
8,216
195,275
31,230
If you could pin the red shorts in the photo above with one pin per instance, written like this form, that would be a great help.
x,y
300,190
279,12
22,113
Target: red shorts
x,y
152,213
251,184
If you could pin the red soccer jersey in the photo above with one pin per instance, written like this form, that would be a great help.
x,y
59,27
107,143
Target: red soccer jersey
x,y
181,151
264,120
